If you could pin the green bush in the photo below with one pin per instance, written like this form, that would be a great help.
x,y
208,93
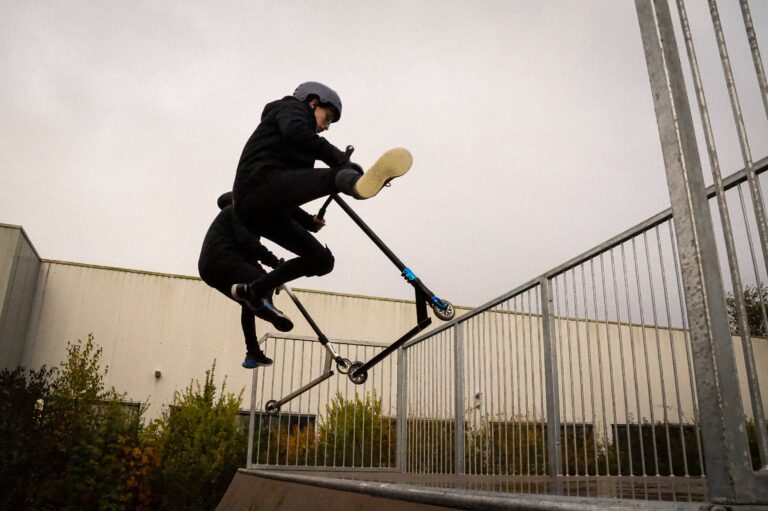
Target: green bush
x,y
24,429
199,444
354,433
67,440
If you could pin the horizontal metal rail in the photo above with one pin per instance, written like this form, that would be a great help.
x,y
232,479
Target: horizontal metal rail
x,y
471,499
730,182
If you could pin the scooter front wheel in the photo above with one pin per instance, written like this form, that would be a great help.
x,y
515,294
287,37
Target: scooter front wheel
x,y
272,407
447,313
356,375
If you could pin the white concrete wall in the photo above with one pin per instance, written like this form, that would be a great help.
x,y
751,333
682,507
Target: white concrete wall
x,y
607,373
178,325
19,268
146,322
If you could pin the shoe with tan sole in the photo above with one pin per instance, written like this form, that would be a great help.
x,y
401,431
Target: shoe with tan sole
x,y
394,163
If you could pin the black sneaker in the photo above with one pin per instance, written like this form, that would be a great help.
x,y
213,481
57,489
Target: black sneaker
x,y
262,307
268,312
258,359
244,294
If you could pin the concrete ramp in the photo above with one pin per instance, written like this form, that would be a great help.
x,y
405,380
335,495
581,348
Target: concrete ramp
x,y
254,492
307,490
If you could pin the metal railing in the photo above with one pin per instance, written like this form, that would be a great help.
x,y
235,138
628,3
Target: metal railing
x,y
335,424
642,357
593,368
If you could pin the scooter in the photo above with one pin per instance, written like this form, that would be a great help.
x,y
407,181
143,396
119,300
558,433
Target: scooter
x,y
272,407
443,309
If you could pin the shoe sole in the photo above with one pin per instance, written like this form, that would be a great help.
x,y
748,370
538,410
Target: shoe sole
x,y
255,366
280,321
283,324
394,163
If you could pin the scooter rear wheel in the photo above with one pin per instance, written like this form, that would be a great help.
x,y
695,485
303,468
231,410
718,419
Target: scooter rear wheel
x,y
343,369
446,314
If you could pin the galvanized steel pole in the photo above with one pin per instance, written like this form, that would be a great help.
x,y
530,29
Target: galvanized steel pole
x,y
554,459
730,477
402,409
458,371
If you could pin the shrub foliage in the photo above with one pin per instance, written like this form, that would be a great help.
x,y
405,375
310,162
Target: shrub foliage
x,y
69,442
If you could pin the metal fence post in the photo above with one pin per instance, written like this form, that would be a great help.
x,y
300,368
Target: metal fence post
x,y
458,372
251,421
401,463
727,459
554,459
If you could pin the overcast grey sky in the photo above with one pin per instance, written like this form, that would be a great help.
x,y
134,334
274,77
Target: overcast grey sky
x,y
531,124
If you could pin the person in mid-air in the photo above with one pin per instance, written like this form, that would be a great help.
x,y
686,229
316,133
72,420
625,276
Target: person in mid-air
x,y
231,254
276,175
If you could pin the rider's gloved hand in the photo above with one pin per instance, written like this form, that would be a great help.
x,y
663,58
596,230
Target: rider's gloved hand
x,y
317,223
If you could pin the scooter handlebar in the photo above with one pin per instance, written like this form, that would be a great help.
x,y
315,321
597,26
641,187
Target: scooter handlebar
x,y
321,213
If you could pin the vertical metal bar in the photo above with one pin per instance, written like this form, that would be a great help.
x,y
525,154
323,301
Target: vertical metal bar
x,y
472,369
401,461
301,398
581,366
589,359
422,415
393,380
485,403
251,419
623,366
519,393
458,371
504,355
728,464
560,349
532,419
738,289
570,384
600,371
554,460
434,382
279,418
443,391
754,183
658,350
381,413
261,417
448,406
674,358
753,258
634,363
498,379
309,404
609,342
752,38
290,406
645,359
688,354
524,354
541,436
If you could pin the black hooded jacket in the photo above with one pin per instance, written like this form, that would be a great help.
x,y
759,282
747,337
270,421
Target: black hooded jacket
x,y
286,138
229,247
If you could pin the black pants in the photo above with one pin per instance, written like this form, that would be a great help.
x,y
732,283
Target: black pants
x,y
220,271
268,210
